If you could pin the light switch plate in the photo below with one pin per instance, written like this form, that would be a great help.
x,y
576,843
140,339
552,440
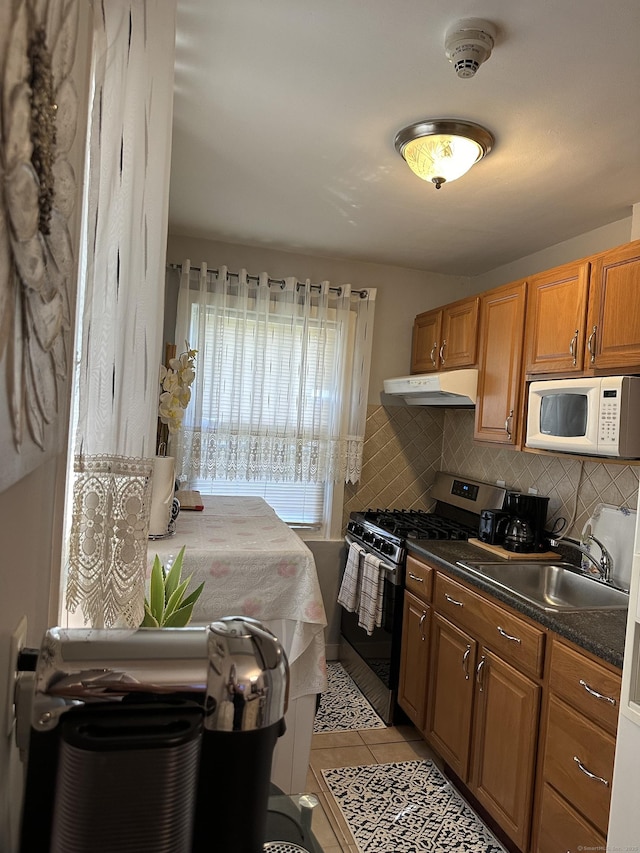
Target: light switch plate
x,y
17,641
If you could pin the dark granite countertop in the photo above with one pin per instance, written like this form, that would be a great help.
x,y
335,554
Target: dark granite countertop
x,y
601,632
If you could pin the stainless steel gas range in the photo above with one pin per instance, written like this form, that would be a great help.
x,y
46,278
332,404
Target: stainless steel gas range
x,y
374,661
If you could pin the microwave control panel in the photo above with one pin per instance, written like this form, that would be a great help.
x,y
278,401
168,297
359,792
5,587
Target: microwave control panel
x,y
609,417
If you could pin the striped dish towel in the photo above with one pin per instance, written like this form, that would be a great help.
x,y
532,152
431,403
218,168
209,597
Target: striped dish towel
x,y
370,606
349,594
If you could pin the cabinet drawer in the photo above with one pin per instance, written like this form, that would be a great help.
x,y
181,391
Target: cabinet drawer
x,y
562,828
576,747
585,684
511,637
419,579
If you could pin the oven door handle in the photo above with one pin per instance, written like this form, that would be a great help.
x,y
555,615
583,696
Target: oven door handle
x,y
386,566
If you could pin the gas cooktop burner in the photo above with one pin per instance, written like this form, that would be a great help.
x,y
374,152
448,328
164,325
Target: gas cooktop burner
x,y
416,524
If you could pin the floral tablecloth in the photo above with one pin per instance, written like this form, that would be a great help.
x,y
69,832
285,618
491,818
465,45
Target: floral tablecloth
x,y
254,565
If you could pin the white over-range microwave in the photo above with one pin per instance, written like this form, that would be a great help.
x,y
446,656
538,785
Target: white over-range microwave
x,y
597,416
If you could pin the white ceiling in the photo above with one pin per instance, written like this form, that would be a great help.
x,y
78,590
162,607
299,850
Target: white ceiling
x,y
285,115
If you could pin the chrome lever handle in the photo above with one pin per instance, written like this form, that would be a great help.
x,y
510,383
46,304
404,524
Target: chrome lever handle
x,y
442,359
573,346
590,346
453,600
595,693
504,634
588,773
465,662
432,356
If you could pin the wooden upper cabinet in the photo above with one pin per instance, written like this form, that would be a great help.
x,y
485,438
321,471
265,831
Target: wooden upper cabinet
x,y
427,334
556,320
613,325
500,364
446,338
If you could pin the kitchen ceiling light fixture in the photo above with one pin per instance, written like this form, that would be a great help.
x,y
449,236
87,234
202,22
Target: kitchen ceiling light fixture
x,y
440,150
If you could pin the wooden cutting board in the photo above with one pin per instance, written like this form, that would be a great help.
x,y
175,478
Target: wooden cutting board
x,y
499,551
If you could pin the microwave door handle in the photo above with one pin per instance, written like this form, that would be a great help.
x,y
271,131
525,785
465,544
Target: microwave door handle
x,y
591,344
573,346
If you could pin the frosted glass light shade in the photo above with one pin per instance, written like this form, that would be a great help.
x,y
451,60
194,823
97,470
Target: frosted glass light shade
x,y
443,150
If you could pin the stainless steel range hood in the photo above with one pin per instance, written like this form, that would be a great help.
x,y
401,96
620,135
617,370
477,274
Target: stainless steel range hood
x,y
451,388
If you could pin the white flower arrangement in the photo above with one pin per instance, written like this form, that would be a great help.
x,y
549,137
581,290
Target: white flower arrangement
x,y
175,392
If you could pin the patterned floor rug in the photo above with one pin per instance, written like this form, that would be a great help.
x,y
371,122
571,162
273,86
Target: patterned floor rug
x,y
407,807
342,706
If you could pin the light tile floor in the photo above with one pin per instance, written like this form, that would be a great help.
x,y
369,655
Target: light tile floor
x,y
350,749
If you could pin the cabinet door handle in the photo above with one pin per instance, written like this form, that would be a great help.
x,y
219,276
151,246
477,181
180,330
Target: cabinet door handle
x,y
507,425
453,601
573,346
415,578
465,662
586,772
421,625
590,344
444,343
479,669
504,634
595,693
434,350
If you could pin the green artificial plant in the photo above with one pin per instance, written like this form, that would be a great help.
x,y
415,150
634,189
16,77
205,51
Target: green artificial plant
x,y
166,606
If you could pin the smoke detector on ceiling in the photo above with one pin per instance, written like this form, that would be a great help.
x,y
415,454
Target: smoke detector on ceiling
x,y
468,44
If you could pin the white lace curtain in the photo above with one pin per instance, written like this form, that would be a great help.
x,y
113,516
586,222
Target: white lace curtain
x,y
121,299
282,375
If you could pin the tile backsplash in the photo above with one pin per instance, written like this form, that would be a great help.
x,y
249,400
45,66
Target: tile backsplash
x,y
405,446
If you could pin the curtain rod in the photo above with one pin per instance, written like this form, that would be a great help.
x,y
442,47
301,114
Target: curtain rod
x,y
363,294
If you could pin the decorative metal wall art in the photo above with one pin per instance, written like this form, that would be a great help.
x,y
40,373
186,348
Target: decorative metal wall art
x,y
38,116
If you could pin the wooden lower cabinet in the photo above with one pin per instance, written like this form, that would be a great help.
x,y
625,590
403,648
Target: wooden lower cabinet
x,y
450,705
507,711
563,829
412,692
578,752
525,719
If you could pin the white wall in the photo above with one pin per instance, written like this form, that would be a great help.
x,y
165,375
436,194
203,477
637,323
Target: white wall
x,y
590,243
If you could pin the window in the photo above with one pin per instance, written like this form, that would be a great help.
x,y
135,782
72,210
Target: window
x,y
276,396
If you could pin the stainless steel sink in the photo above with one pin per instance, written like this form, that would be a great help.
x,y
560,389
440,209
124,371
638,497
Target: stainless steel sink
x,y
551,586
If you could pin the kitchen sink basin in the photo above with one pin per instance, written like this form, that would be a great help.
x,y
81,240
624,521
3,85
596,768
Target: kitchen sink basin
x,y
551,586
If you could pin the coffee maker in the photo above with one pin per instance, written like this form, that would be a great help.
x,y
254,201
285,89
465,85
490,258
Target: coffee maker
x,y
153,739
525,532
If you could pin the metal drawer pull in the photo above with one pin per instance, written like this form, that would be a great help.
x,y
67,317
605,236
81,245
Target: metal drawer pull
x,y
442,359
422,618
453,601
415,578
465,662
595,693
587,773
479,673
508,636
434,349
